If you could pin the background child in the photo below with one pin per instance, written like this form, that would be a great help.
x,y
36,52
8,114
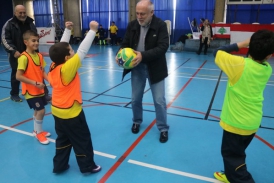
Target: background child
x,y
70,122
102,35
31,73
242,109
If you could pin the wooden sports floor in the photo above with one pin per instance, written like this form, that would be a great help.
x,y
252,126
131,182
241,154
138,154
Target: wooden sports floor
x,y
194,93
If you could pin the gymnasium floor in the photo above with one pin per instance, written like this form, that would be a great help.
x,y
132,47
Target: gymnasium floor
x,y
194,93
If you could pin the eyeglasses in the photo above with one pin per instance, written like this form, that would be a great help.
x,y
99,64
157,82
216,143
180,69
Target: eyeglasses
x,y
22,13
141,14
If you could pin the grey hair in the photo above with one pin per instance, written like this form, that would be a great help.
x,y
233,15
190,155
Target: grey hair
x,y
151,5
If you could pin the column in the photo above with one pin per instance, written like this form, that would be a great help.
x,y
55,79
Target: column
x,y
71,9
132,9
219,11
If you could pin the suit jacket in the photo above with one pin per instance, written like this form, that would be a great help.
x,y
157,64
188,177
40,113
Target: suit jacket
x,y
12,39
156,45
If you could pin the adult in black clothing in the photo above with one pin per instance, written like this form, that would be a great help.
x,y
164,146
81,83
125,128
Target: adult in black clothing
x,y
12,39
206,36
102,35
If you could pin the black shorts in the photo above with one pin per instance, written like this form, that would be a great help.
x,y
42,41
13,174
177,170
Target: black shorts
x,y
37,103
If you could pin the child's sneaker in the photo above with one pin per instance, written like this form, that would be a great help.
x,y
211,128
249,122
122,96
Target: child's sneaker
x,y
91,170
41,138
46,134
97,169
221,177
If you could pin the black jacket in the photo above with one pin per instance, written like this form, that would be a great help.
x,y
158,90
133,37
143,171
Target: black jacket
x,y
12,39
156,45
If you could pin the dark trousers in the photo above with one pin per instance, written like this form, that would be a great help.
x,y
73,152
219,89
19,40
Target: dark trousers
x,y
202,44
233,152
15,84
73,132
113,38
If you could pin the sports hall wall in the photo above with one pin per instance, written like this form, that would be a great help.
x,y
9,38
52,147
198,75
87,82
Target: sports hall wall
x,y
120,11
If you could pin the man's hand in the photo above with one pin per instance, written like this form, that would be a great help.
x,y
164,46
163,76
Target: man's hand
x,y
17,54
137,59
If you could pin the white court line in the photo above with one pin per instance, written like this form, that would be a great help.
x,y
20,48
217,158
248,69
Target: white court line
x,y
173,171
222,80
52,140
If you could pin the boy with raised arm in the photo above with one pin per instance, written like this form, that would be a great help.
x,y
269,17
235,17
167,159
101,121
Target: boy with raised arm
x,y
70,121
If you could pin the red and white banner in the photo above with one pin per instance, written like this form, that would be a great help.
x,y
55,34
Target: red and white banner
x,y
221,30
238,32
46,35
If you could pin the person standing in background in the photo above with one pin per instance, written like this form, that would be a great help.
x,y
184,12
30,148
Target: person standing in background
x,y
12,40
102,35
206,36
113,29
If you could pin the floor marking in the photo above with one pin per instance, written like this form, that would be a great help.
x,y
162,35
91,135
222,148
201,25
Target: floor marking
x,y
53,141
136,142
185,174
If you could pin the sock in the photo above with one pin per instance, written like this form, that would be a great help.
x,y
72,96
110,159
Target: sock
x,y
104,41
38,125
100,42
33,118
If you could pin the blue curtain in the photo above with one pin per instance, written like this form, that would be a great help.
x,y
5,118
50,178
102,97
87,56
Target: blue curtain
x,y
42,14
6,12
105,11
246,14
193,9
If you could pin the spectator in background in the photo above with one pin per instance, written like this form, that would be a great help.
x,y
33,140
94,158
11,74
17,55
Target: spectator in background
x,y
113,29
85,33
12,40
72,37
207,35
102,35
96,39
202,22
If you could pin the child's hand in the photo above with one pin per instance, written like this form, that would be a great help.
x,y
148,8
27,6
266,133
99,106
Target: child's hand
x,y
93,25
69,25
39,85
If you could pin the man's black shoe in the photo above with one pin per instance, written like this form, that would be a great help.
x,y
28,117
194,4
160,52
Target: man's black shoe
x,y
135,128
164,136
16,98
